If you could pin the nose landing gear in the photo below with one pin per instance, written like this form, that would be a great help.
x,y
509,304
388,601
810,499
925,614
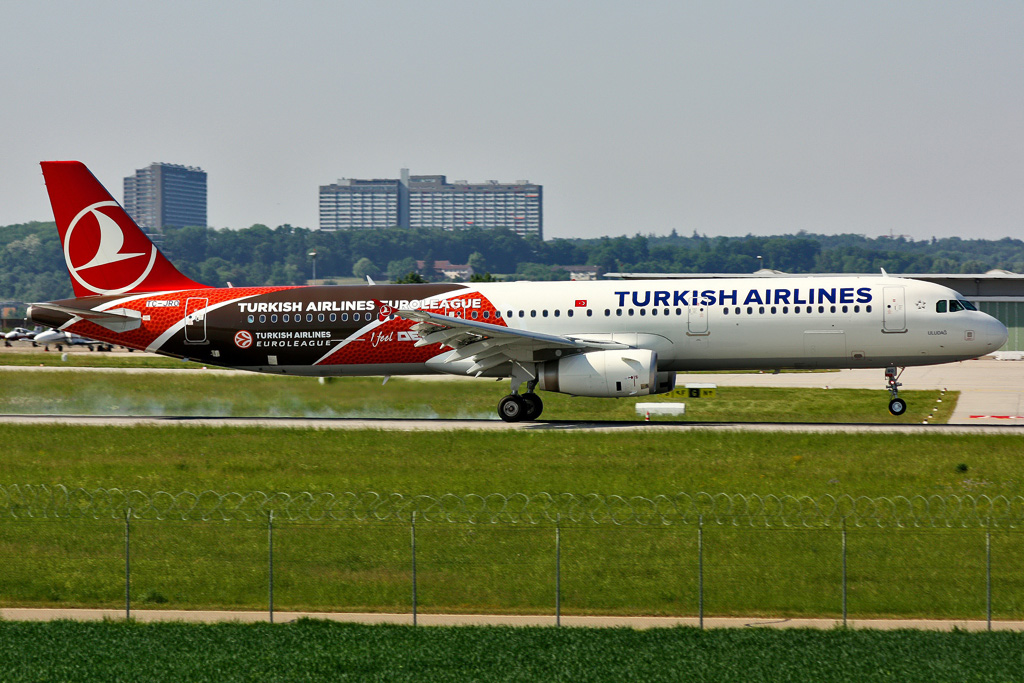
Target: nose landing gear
x,y
897,406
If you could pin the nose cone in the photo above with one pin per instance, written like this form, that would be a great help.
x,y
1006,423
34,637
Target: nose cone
x,y
997,334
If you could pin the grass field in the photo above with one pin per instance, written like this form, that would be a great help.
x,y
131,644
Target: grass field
x,y
509,568
316,650
79,357
215,395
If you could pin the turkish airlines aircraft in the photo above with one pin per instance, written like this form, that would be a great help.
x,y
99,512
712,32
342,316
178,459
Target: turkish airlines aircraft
x,y
610,339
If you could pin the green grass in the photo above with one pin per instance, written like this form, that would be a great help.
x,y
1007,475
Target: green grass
x,y
506,568
217,395
80,357
317,650
625,463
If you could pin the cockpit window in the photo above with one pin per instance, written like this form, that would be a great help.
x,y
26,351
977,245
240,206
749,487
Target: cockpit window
x,y
940,306
967,304
955,305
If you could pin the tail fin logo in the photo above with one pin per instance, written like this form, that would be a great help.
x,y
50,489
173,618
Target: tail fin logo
x,y
102,238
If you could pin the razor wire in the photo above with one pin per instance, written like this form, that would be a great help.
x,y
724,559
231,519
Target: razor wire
x,y
25,502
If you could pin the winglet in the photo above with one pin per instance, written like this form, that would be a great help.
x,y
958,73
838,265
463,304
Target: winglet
x,y
104,250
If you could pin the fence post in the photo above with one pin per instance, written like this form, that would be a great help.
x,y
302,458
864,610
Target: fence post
x,y
988,573
270,562
558,572
844,571
700,568
413,531
127,564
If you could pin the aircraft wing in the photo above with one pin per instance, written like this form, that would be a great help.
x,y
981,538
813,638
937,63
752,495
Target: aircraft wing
x,y
115,320
486,345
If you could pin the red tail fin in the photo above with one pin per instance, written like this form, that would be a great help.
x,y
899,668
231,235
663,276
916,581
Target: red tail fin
x,y
104,250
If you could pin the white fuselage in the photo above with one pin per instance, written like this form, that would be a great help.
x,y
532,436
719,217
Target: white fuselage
x,y
759,323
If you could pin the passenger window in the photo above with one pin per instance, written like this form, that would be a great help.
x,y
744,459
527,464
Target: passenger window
x,y
821,309
785,309
558,312
252,318
334,317
533,314
940,306
643,311
273,318
309,317
773,310
618,311
344,318
285,318
867,309
750,310
631,311
832,309
320,317
474,315
725,311
263,318
760,309
856,309
545,312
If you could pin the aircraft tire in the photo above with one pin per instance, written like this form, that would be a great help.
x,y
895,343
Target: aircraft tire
x,y
534,406
512,408
897,406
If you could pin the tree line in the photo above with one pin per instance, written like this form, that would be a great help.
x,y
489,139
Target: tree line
x,y
32,264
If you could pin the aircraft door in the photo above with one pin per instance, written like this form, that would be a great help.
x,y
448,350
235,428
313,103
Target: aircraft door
x,y
697,322
894,316
195,320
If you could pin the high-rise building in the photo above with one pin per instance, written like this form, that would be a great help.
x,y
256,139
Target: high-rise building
x,y
430,201
166,195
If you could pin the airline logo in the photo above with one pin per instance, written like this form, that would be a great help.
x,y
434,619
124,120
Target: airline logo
x,y
581,303
243,339
96,253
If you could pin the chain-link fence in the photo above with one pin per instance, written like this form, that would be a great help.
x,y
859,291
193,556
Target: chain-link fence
x,y
680,554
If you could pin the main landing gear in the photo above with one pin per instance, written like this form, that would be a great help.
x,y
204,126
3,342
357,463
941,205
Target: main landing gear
x,y
517,407
897,406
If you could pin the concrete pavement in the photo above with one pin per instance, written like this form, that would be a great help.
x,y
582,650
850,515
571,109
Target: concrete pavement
x,y
214,616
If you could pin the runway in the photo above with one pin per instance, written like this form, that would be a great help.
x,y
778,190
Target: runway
x,y
430,425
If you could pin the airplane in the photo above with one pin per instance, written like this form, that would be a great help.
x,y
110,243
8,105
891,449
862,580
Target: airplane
x,y
64,338
596,338
19,333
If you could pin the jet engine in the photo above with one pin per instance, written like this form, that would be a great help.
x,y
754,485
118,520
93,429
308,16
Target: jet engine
x,y
630,372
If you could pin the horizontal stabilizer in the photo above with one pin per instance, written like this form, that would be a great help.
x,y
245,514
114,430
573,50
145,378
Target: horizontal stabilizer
x,y
115,320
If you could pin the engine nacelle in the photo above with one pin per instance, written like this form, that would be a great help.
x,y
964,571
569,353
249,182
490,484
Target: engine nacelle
x,y
630,372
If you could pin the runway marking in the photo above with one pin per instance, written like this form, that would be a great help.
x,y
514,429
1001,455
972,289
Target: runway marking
x,y
997,417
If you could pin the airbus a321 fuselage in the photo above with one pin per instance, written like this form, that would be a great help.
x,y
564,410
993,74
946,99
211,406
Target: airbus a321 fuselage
x,y
605,338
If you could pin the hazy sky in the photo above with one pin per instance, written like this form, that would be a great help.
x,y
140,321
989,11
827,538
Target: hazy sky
x,y
722,117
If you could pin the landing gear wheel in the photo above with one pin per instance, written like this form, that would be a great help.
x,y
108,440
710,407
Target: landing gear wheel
x,y
897,406
512,408
534,406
